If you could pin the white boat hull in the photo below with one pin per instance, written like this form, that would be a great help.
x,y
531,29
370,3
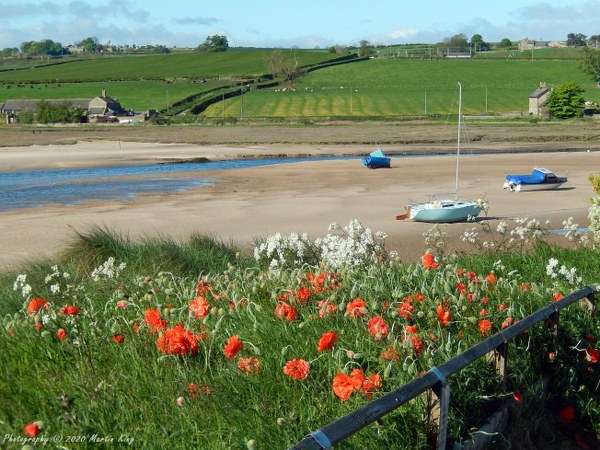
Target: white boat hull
x,y
443,211
512,187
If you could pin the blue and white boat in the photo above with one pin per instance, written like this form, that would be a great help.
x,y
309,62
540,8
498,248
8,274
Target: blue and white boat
x,y
446,210
538,180
377,160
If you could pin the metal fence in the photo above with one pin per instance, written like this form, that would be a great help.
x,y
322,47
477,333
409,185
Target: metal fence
x,y
436,379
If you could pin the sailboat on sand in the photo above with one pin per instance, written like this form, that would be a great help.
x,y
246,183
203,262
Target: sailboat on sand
x,y
446,210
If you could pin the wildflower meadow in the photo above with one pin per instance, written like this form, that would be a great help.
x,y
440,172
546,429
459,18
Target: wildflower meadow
x,y
109,348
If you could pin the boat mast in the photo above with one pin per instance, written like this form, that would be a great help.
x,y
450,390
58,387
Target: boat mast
x,y
458,140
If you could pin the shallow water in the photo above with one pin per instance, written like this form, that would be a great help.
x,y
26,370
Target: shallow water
x,y
69,187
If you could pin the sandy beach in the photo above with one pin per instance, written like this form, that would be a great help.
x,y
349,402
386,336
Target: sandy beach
x,y
244,205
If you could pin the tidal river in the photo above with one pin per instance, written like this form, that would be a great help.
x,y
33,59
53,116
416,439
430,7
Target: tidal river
x,y
73,186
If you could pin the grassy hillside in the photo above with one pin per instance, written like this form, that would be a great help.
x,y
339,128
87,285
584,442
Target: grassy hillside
x,y
234,63
372,88
410,87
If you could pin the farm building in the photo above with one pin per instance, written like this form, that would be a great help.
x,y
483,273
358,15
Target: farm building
x,y
102,109
537,100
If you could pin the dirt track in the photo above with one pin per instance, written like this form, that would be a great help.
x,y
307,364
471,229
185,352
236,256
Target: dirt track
x,y
395,138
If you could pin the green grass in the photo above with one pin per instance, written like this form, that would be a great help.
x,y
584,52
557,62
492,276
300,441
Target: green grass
x,y
195,66
87,385
373,88
137,95
376,88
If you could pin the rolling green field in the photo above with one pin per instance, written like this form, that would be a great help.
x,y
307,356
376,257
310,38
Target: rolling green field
x,y
137,95
372,89
193,66
409,87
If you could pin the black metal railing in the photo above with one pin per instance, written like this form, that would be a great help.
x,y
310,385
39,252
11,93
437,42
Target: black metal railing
x,y
436,379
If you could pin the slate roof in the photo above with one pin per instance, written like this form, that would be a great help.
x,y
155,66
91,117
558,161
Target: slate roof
x,y
539,92
22,104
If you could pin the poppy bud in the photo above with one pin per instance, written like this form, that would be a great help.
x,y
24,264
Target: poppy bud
x,y
251,444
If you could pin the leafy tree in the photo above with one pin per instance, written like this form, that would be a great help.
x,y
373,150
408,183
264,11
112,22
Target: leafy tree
x,y
505,43
591,63
478,44
595,39
366,49
214,43
161,49
26,117
9,51
43,47
287,68
458,42
576,40
90,45
66,112
566,101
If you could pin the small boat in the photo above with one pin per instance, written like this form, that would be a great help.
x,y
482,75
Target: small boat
x,y
539,179
446,210
442,211
377,160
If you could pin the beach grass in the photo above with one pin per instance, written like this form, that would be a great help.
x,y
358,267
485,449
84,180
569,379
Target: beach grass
x,y
249,367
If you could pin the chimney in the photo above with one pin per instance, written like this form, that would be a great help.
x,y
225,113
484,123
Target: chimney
x,y
103,92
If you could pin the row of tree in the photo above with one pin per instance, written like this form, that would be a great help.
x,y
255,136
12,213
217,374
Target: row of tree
x,y
219,43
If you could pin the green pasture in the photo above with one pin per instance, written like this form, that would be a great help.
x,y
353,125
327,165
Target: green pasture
x,y
136,95
233,63
408,87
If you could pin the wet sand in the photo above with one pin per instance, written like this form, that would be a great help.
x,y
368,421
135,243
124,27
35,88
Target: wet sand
x,y
245,205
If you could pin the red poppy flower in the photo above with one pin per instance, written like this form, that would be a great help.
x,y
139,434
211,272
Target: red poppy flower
x,y
518,397
285,311
36,304
411,329
233,346
591,355
558,296
406,310
303,295
417,343
391,354
177,341
326,308
297,369
344,385
327,341
491,278
249,365
485,326
567,413
38,326
203,288
32,429
378,328
61,334
117,338
428,261
199,307
443,315
356,308
152,318
70,310
371,383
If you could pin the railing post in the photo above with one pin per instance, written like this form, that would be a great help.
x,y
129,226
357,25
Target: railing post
x,y
590,304
439,402
498,359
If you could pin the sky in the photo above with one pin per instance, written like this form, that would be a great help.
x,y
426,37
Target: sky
x,y
284,24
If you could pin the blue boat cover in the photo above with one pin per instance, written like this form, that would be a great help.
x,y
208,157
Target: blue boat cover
x,y
538,176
